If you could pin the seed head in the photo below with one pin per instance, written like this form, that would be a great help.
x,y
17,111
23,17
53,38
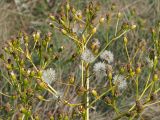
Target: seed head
x,y
100,69
120,81
87,56
49,75
108,56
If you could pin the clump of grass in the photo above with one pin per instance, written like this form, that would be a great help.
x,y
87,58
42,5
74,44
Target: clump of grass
x,y
30,70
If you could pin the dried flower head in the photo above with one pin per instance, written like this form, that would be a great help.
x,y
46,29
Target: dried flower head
x,y
87,56
108,56
49,75
95,44
149,62
120,81
99,68
78,14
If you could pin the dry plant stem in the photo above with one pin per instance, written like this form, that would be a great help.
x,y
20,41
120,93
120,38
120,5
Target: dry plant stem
x,y
126,49
87,93
33,47
131,118
120,116
88,40
5,94
107,31
152,104
66,91
115,107
137,85
157,90
135,55
6,79
116,27
82,72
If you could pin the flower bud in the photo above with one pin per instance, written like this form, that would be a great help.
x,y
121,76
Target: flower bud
x,y
36,36
113,6
125,26
108,17
13,76
101,20
23,110
133,27
122,70
94,93
110,75
39,73
131,72
108,100
9,66
155,77
32,73
71,79
26,82
73,10
68,6
119,15
94,30
138,70
64,31
81,109
40,97
78,14
155,61
125,40
52,17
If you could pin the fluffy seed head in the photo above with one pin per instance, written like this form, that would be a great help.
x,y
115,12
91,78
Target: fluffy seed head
x,y
100,69
87,56
120,81
149,62
49,75
108,56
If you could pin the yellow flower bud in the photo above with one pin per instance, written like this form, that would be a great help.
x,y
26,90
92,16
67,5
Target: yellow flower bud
x,y
68,6
122,70
110,76
132,73
94,93
23,110
133,27
64,31
138,70
13,76
101,20
125,40
119,15
40,97
71,79
94,30
155,77
52,17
